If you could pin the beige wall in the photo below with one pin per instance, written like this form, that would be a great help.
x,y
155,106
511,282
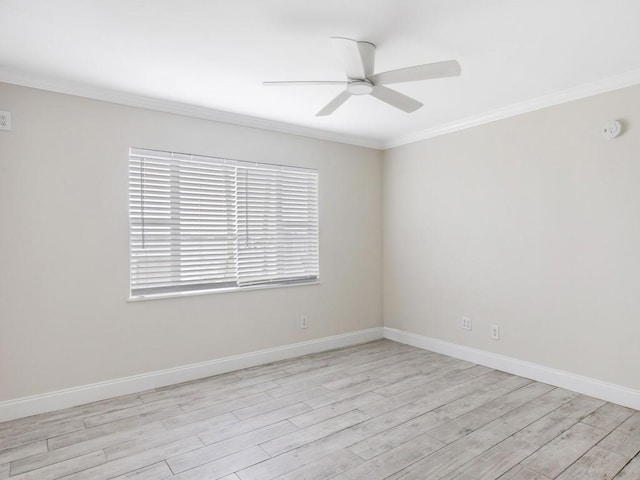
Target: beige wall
x,y
532,223
64,316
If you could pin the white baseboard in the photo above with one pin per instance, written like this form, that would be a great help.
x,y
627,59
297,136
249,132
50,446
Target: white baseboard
x,y
559,378
69,397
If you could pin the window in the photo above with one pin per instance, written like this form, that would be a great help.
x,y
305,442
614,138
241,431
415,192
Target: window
x,y
202,223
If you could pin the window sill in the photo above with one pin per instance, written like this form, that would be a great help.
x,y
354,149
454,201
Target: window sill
x,y
160,296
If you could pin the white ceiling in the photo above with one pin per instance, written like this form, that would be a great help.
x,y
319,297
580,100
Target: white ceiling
x,y
214,54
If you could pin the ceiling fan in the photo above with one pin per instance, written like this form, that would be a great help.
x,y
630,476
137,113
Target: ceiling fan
x,y
358,59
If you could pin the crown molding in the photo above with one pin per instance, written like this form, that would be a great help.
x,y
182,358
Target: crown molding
x,y
617,82
141,101
133,100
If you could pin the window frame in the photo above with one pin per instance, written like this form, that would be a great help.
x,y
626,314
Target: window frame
x,y
137,294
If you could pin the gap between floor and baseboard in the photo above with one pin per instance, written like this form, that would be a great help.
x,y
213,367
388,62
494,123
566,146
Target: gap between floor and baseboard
x,y
47,402
559,378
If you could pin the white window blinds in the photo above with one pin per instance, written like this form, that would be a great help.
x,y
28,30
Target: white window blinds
x,y
204,223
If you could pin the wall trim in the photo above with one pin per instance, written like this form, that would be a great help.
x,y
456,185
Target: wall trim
x,y
151,103
69,397
617,82
559,378
60,399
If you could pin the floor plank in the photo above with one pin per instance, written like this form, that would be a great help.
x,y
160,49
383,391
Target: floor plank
x,y
224,466
61,469
307,435
393,460
75,450
597,463
23,451
521,473
608,417
631,471
157,471
626,438
134,462
200,456
325,467
554,457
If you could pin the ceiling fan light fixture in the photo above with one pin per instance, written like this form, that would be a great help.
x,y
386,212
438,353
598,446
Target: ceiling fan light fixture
x,y
360,87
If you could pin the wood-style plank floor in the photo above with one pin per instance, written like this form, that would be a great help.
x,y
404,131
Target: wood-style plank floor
x,y
377,411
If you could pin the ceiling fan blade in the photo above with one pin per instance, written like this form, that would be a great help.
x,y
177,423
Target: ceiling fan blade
x,y
396,99
334,104
357,57
450,68
303,82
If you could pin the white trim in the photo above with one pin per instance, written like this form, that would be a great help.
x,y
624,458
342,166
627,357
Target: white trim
x,y
161,296
559,378
617,82
99,93
141,101
69,397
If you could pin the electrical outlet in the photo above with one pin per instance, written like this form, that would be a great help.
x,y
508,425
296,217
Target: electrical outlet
x,y
465,323
495,332
5,120
304,321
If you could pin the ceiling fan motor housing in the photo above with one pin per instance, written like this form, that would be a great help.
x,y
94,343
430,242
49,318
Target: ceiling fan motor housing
x,y
359,87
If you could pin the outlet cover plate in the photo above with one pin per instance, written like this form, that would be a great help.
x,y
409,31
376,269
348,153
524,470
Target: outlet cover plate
x,y
495,332
5,120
